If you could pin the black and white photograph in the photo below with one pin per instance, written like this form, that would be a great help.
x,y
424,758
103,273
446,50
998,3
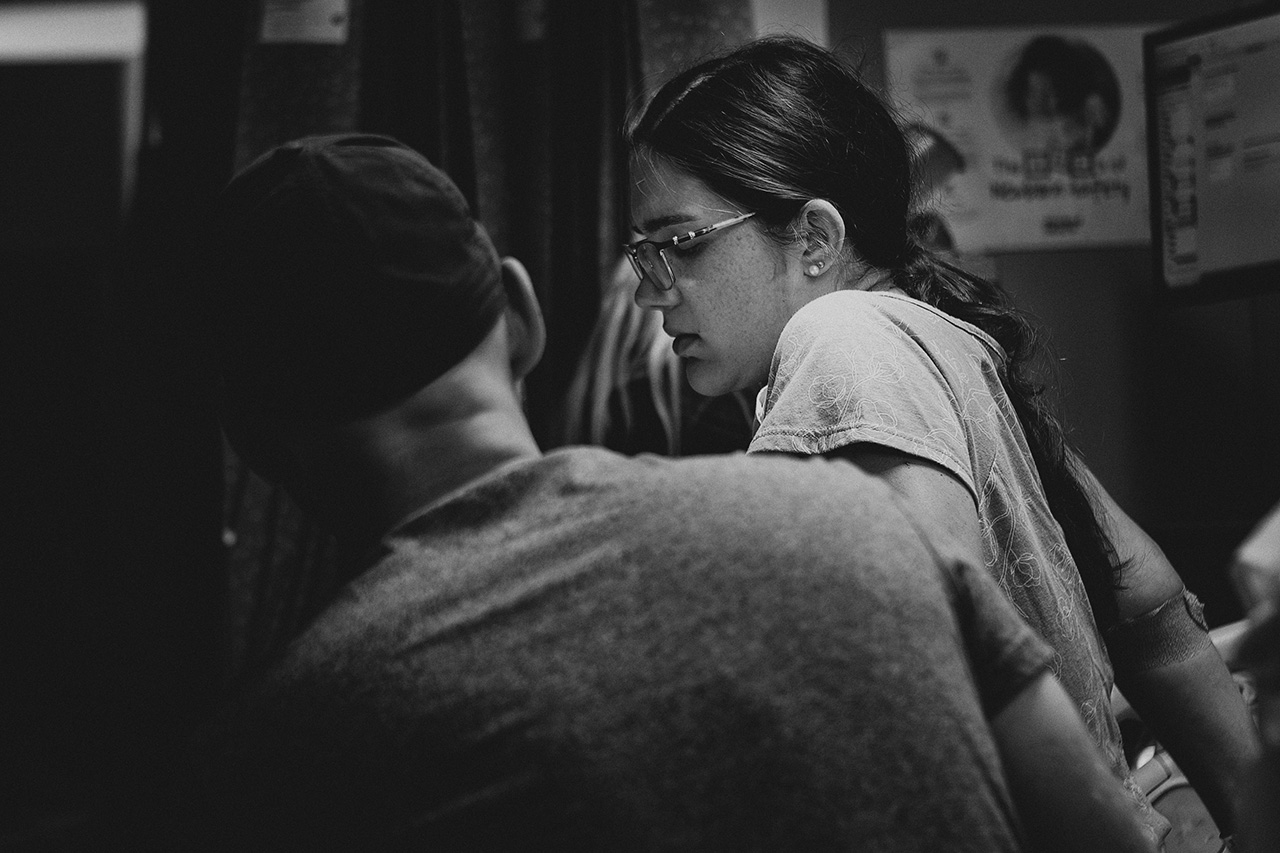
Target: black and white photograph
x,y
639,426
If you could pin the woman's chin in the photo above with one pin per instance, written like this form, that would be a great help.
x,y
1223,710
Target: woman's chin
x,y
706,381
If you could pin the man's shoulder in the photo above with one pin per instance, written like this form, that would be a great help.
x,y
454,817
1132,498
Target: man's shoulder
x,y
779,478
802,504
743,522
587,494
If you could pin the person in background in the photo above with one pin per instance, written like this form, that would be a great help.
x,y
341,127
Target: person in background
x,y
579,650
1256,572
772,191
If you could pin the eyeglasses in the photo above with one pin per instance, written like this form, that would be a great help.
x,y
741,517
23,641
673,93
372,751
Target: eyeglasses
x,y
648,258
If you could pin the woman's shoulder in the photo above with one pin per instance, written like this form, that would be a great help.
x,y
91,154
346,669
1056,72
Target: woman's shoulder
x,y
857,304
846,312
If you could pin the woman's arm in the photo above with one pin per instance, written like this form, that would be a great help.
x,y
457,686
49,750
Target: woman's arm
x,y
1187,698
1191,704
1055,771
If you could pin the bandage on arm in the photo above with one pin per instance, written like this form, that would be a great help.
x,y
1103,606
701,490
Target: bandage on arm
x,y
1174,630
1168,668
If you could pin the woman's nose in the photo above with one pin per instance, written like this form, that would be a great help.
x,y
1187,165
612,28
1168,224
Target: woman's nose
x,y
649,296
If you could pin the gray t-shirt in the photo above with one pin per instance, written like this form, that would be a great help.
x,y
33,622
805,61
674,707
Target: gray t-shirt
x,y
589,652
886,369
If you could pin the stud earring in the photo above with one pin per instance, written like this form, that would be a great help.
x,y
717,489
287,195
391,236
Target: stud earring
x,y
814,269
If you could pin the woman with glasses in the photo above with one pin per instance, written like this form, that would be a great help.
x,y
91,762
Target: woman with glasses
x,y
773,192
628,391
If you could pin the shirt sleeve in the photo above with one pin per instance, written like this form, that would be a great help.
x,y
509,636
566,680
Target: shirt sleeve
x,y
1004,652
848,371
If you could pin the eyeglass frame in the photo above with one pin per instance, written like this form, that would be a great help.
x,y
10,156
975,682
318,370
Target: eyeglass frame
x,y
661,246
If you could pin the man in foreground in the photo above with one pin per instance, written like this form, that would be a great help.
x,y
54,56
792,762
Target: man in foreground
x,y
577,650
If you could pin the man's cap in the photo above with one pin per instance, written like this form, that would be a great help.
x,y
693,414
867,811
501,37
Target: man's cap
x,y
350,274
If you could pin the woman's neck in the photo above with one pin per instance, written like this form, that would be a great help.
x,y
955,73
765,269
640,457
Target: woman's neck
x,y
871,278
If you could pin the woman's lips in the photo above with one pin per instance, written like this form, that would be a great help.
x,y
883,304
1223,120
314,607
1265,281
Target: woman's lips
x,y
682,343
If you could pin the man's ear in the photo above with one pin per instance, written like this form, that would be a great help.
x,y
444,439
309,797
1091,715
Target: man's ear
x,y
526,331
822,231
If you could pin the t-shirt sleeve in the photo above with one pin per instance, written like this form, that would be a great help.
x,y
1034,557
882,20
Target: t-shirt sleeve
x,y
848,371
1004,652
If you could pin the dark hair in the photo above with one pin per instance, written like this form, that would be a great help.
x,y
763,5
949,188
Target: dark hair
x,y
780,121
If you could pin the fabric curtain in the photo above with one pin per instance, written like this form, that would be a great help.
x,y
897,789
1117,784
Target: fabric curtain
x,y
113,599
281,564
522,104
414,84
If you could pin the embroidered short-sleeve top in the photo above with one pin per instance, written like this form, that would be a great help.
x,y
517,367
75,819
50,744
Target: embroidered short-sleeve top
x,y
881,367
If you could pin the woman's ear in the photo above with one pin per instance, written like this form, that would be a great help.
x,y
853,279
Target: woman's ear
x,y
822,233
526,331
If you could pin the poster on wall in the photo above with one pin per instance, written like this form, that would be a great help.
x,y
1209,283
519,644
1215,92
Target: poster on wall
x,y
1029,138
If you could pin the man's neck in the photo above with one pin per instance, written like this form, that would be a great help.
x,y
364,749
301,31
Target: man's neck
x,y
394,472
452,455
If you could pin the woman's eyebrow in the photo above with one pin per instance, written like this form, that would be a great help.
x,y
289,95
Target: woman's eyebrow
x,y
658,222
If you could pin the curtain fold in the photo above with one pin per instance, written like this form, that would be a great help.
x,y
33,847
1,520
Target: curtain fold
x,y
592,77
414,83
282,566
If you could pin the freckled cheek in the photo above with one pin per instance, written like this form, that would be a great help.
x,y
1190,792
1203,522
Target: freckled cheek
x,y
744,341
740,289
741,305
